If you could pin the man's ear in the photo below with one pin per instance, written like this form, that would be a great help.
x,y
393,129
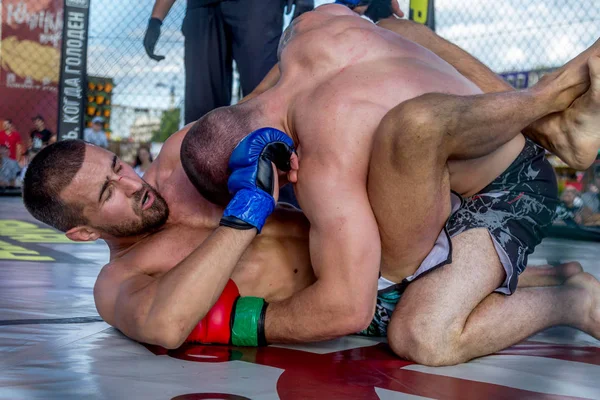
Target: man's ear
x,y
82,234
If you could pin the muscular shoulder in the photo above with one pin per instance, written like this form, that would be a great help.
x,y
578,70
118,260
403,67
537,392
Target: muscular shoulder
x,y
341,126
106,290
109,284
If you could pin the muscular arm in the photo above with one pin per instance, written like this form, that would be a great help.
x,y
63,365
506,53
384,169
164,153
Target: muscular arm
x,y
164,310
161,8
345,253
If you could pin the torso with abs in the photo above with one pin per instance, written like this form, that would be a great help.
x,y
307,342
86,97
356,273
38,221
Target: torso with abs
x,y
343,74
276,264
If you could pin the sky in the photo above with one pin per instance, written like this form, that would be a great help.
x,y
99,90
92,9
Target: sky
x,y
507,35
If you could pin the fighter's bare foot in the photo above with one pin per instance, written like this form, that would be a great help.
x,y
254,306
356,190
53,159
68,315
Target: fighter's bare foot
x,y
538,276
572,133
582,122
590,320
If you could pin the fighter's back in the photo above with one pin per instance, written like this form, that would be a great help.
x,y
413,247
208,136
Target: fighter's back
x,y
347,73
333,41
343,73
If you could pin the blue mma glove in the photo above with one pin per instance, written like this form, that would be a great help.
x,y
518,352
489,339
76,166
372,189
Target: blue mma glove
x,y
252,181
349,3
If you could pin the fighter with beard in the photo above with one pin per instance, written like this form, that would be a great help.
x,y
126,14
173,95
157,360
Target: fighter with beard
x,y
161,280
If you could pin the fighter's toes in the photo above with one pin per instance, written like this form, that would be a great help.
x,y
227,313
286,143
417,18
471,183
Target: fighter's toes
x,y
568,269
594,66
582,122
590,302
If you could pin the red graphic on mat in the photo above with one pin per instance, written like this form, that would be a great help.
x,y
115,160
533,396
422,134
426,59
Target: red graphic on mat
x,y
356,373
210,396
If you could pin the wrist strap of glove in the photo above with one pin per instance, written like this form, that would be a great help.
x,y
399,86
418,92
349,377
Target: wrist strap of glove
x,y
248,322
154,22
248,209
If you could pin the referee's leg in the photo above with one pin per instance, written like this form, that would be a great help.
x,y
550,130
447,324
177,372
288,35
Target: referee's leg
x,y
256,26
208,62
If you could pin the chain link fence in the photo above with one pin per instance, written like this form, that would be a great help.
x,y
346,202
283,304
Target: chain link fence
x,y
515,38
141,99
143,88
522,40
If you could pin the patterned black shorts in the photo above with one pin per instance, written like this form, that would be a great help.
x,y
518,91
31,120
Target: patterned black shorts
x,y
517,208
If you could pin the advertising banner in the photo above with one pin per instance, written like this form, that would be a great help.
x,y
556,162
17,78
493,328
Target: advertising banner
x,y
30,42
72,87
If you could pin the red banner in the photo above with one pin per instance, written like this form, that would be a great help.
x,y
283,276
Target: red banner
x,y
30,46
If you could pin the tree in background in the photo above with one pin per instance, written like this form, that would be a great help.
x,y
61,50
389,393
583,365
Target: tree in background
x,y
169,124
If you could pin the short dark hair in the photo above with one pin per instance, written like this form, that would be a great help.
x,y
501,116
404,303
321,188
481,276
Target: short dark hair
x,y
207,146
48,174
38,117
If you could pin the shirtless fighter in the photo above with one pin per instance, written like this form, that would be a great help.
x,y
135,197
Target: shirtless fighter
x,y
163,277
340,77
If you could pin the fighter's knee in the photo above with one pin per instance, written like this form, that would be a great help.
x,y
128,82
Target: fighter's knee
x,y
425,352
408,123
426,345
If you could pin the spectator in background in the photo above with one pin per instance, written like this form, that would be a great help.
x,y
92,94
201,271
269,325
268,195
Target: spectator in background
x,y
216,33
40,135
591,198
143,160
24,163
95,134
571,210
10,138
9,168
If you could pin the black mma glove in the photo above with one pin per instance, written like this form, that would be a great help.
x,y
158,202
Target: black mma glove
x,y
376,9
379,9
152,35
302,6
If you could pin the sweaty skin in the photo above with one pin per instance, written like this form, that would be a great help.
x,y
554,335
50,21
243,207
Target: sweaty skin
x,y
277,263
274,266
352,64
340,75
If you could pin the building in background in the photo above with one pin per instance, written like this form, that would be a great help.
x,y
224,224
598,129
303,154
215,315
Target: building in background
x,y
143,128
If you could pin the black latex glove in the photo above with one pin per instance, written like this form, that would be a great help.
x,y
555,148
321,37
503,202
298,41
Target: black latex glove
x,y
302,6
379,9
152,35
